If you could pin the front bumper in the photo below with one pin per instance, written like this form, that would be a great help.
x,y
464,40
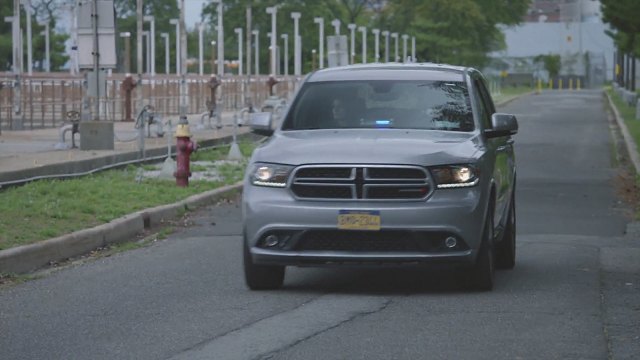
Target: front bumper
x,y
411,232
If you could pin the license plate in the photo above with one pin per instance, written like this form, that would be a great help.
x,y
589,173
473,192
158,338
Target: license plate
x,y
358,220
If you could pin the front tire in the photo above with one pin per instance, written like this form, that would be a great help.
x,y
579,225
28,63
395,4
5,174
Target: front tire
x,y
482,272
506,249
261,277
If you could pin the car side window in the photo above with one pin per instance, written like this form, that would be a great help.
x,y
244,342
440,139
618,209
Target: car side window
x,y
483,109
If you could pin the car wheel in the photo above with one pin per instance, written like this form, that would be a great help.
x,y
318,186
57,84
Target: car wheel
x,y
261,277
483,271
506,249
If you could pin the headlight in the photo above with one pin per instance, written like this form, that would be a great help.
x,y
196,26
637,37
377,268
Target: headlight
x,y
271,175
455,176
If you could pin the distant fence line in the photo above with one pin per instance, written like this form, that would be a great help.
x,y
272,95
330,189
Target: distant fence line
x,y
46,98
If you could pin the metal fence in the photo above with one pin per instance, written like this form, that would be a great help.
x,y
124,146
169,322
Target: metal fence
x,y
45,99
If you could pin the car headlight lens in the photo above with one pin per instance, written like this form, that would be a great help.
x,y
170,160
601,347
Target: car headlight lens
x,y
455,176
270,175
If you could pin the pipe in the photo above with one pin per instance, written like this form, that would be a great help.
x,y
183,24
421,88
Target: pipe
x,y
62,131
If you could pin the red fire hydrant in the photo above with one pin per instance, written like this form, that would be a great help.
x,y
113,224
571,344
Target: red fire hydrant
x,y
184,147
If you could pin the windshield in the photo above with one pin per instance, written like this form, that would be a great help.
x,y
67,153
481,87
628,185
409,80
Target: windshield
x,y
431,105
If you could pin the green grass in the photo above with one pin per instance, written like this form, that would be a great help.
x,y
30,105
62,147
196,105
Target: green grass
x,y
45,209
628,113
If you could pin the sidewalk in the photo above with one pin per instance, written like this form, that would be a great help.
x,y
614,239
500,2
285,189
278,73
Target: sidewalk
x,y
28,154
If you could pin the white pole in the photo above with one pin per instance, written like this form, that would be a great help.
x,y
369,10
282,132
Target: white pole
x,y
176,22
27,10
297,63
336,26
364,43
166,52
256,33
47,54
405,37
413,48
239,32
220,39
200,48
352,52
320,22
376,33
182,40
273,11
152,41
386,45
285,37
395,37
147,46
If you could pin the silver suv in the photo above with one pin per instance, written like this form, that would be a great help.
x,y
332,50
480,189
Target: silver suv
x,y
383,164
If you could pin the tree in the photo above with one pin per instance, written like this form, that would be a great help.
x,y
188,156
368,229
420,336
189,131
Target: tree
x,y
461,32
43,11
552,63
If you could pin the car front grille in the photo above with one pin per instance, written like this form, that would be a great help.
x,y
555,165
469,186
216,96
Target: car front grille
x,y
375,241
361,182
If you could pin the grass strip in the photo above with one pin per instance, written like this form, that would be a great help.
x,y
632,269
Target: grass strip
x,y
49,208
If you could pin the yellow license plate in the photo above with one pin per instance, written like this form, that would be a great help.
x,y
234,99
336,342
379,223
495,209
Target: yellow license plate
x,y
358,220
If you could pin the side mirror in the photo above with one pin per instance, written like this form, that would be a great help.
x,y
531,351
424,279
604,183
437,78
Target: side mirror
x,y
260,123
502,125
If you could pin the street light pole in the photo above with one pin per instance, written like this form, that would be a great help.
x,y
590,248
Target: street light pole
x,y
213,56
285,37
336,26
47,54
256,33
413,48
127,51
376,33
152,35
297,61
200,27
27,10
386,45
145,39
220,38
166,51
320,22
239,32
395,37
363,29
273,11
176,22
352,53
405,37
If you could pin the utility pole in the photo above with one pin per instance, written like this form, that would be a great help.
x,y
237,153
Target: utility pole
x,y
376,33
273,11
200,27
352,53
165,36
405,37
152,44
256,33
239,32
386,45
285,37
363,29
320,22
248,39
47,53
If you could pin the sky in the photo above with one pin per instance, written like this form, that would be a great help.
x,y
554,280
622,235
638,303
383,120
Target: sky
x,y
192,12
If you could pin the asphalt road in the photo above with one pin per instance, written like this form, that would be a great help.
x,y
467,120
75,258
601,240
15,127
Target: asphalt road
x,y
573,294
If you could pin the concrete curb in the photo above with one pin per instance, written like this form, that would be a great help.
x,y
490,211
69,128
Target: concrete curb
x,y
632,147
26,258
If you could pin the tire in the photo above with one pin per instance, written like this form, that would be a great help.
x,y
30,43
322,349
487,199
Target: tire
x,y
482,273
506,249
261,277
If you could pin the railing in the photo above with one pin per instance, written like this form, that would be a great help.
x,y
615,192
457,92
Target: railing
x,y
46,98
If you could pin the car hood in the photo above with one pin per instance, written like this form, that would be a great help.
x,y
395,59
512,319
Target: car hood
x,y
370,146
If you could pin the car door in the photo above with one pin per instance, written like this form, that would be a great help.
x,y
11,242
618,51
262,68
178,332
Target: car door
x,y
502,147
